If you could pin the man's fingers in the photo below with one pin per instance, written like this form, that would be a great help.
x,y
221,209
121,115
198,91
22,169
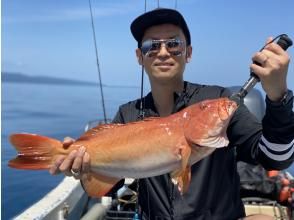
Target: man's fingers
x,y
67,141
86,163
65,167
54,169
260,58
268,40
77,163
260,71
73,164
275,48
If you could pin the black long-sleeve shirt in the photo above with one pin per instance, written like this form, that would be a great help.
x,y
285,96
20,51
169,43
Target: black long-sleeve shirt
x,y
214,188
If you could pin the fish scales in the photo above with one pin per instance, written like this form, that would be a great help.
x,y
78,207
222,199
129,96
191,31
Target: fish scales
x,y
139,149
128,154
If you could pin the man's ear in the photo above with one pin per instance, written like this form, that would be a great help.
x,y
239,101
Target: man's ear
x,y
139,56
188,54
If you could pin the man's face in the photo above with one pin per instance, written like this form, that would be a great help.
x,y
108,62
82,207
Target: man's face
x,y
164,65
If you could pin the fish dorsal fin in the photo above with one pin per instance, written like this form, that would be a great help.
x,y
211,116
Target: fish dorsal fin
x,y
151,118
105,127
144,120
99,129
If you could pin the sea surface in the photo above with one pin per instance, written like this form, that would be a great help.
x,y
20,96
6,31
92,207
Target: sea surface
x,y
52,110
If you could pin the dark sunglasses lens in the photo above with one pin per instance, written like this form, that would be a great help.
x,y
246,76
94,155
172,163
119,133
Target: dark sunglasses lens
x,y
156,45
152,47
146,46
173,44
175,47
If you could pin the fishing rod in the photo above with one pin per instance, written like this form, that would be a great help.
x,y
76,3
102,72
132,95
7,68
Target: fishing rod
x,y
284,42
97,64
141,110
137,215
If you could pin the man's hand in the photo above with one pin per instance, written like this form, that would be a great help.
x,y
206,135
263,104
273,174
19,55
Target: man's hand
x,y
272,70
76,163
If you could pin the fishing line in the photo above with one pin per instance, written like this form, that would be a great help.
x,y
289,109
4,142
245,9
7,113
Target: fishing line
x,y
97,64
272,41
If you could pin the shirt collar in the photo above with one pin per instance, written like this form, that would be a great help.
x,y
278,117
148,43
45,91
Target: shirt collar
x,y
181,100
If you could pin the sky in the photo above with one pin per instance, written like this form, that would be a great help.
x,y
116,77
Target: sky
x,y
54,38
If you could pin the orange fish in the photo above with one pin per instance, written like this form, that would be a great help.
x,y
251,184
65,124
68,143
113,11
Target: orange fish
x,y
141,149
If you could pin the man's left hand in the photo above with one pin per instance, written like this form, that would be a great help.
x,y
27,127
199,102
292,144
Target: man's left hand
x,y
272,71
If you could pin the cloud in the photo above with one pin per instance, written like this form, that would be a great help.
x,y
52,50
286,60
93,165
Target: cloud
x,y
66,14
12,66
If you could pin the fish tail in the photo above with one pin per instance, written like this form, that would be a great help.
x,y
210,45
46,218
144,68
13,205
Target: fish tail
x,y
34,152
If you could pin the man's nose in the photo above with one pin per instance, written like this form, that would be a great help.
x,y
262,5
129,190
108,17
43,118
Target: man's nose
x,y
163,52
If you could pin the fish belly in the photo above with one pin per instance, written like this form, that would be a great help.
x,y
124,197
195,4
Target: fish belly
x,y
136,154
151,165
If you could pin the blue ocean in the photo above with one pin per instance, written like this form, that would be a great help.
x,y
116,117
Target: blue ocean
x,y
52,110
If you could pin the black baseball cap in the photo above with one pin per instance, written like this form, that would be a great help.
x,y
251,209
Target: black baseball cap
x,y
157,17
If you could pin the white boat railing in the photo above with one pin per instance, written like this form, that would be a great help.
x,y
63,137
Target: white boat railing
x,y
56,204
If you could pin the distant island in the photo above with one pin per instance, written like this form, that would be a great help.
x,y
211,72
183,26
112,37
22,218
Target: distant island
x,y
12,77
24,78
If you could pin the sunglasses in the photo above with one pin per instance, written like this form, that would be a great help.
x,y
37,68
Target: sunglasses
x,y
175,47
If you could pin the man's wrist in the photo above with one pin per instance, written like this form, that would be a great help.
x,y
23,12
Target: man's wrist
x,y
288,95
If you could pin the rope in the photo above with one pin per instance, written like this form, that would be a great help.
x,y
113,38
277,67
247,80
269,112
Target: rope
x,y
97,63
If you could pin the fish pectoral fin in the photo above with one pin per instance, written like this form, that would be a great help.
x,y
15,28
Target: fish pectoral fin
x,y
97,185
182,179
182,176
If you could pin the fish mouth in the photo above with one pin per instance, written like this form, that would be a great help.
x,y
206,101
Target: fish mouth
x,y
226,109
231,107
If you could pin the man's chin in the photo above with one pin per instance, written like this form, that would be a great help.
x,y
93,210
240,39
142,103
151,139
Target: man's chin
x,y
165,78
164,72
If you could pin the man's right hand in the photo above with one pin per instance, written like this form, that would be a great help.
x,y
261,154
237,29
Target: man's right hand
x,y
76,163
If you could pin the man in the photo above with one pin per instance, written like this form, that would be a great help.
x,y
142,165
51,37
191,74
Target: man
x,y
164,48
